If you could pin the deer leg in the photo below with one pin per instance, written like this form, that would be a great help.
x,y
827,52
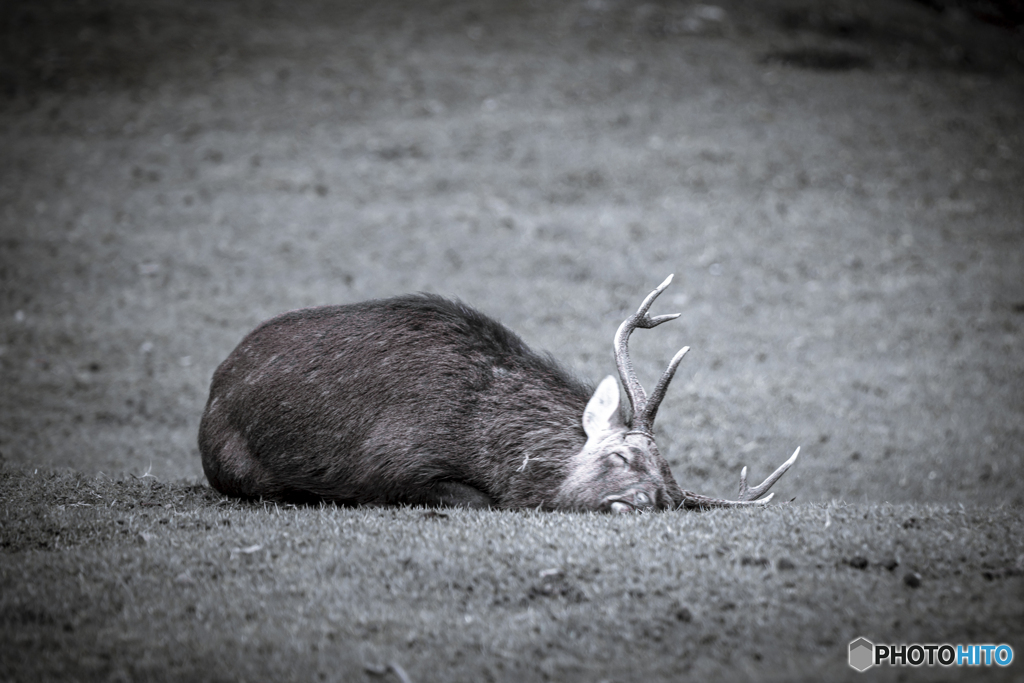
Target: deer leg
x,y
231,468
452,494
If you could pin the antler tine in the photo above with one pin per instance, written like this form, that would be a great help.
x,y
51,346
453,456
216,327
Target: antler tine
x,y
646,305
646,418
748,496
758,491
634,390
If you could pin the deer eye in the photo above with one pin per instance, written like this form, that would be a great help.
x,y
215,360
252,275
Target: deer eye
x,y
619,459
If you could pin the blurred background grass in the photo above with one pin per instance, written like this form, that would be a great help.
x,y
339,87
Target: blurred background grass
x,y
835,185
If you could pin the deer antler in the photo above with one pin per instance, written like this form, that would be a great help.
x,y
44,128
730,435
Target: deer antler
x,y
748,496
644,409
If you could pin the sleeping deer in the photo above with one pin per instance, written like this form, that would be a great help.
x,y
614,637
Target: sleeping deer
x,y
421,400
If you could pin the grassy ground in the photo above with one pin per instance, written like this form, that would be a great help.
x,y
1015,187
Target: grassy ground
x,y
135,579
836,185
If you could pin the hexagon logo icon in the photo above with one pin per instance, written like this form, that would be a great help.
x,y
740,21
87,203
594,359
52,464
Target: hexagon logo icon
x,y
862,654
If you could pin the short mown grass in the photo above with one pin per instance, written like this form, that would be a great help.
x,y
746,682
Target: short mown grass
x,y
136,579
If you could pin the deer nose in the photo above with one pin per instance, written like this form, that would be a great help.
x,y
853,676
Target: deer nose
x,y
642,499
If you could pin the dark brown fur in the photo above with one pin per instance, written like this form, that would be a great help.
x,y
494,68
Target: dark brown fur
x,y
415,399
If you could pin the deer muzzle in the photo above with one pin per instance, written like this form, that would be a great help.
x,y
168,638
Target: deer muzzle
x,y
630,501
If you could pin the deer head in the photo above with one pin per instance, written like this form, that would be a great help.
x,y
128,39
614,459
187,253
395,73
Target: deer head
x,y
620,469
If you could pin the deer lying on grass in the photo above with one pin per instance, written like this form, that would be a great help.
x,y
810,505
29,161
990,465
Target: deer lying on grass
x,y
422,400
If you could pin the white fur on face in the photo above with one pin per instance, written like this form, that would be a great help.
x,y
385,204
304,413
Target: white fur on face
x,y
613,462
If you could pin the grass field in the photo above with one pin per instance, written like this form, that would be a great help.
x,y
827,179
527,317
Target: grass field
x,y
134,579
836,185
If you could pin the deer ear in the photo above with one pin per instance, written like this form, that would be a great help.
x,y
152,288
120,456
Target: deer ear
x,y
602,412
